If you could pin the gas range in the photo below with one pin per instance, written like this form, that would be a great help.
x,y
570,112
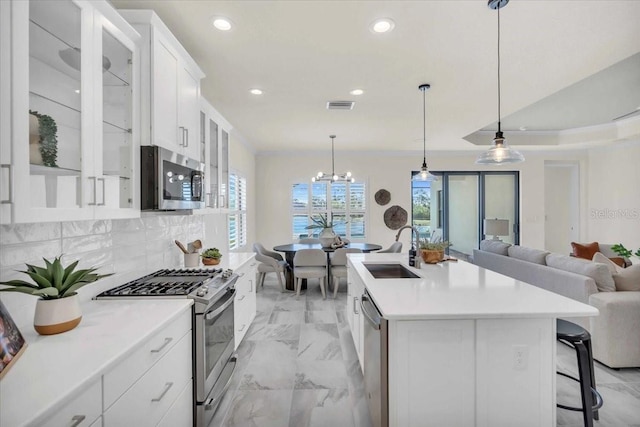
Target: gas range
x,y
203,285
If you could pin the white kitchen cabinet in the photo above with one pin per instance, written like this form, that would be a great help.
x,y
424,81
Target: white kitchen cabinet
x,y
355,289
70,112
82,411
244,308
151,396
216,149
181,412
170,87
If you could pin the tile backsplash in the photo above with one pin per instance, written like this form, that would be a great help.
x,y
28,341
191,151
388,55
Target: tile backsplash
x,y
115,246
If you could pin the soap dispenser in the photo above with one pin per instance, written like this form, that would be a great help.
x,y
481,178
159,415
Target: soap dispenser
x,y
412,256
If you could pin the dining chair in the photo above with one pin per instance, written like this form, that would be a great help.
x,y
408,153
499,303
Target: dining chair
x,y
270,262
309,240
339,266
310,264
396,247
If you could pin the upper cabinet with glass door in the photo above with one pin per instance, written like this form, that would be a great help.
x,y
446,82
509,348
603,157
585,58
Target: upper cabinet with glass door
x,y
61,157
216,157
170,88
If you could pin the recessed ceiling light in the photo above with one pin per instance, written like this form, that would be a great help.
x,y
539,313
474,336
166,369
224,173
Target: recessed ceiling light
x,y
221,23
357,92
382,25
255,91
523,128
77,91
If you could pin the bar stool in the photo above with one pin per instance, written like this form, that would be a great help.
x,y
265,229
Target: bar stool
x,y
578,338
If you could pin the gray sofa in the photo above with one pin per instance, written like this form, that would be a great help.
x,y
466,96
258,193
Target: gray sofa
x,y
615,332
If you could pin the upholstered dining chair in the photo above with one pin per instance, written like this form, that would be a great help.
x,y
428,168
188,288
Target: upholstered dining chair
x,y
396,247
339,266
270,262
310,264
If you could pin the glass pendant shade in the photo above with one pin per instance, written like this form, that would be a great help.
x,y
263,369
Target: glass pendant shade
x,y
500,153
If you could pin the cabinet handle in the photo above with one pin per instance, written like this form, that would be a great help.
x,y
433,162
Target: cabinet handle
x,y
181,143
166,343
242,329
167,386
77,420
103,192
355,306
240,275
187,138
10,199
222,200
250,285
241,298
95,189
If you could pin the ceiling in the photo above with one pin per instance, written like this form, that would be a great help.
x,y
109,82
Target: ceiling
x,y
303,54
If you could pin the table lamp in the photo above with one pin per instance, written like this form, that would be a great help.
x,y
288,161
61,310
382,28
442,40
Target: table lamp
x,y
497,227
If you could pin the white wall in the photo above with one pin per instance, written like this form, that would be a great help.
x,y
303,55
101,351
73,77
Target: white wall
x,y
614,194
276,172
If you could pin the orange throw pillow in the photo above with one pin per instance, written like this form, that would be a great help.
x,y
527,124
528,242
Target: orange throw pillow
x,y
618,261
586,251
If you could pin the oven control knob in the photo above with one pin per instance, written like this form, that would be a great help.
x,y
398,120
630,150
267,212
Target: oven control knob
x,y
202,291
227,273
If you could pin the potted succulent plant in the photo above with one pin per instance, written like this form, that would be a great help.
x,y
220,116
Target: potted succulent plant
x,y
211,256
433,253
326,235
58,309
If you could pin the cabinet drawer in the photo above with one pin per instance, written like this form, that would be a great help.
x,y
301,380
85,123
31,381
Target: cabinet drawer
x,y
181,412
150,398
117,381
81,411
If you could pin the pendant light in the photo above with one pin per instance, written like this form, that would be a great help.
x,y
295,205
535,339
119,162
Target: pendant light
x,y
500,153
424,174
333,177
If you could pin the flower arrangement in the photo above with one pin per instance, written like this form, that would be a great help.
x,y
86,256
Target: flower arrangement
x,y
322,221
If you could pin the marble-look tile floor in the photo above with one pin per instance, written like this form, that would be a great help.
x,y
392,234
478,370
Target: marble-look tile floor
x,y
297,367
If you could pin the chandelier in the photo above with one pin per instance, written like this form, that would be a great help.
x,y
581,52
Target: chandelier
x,y
500,153
333,177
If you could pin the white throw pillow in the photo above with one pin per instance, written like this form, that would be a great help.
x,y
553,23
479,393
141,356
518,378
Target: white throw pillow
x,y
528,254
598,272
602,259
495,246
628,279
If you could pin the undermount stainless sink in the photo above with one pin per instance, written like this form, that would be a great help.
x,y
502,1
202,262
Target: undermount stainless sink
x,y
390,271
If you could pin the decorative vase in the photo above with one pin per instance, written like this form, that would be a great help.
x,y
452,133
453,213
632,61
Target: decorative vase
x,y
54,316
432,256
326,237
211,261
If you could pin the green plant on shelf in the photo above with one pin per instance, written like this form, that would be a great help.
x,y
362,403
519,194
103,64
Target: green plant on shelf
x,y
53,281
211,253
48,139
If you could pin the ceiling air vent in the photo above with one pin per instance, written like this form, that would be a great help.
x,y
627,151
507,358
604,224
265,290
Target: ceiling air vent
x,y
340,105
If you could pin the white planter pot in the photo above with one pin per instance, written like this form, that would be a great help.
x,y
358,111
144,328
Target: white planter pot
x,y
326,237
55,316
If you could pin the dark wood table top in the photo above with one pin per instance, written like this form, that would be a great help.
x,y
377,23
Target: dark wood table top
x,y
294,247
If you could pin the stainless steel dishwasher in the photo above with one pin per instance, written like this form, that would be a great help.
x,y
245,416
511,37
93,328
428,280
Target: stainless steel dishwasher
x,y
376,362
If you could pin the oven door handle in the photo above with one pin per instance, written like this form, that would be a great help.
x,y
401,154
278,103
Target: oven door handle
x,y
222,308
213,402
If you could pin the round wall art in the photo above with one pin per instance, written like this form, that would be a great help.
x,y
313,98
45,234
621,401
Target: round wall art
x,y
382,197
395,217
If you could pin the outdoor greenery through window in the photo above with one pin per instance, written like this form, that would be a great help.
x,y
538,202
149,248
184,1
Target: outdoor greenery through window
x,y
343,202
237,211
421,209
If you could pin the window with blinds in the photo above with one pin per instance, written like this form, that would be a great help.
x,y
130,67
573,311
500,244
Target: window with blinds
x,y
345,202
237,211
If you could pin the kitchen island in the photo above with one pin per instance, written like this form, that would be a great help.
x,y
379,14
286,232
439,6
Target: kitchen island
x,y
463,345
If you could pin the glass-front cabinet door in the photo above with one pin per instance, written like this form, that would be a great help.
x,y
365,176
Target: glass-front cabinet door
x,y
71,109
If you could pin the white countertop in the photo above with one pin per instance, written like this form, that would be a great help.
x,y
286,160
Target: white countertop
x,y
56,368
460,290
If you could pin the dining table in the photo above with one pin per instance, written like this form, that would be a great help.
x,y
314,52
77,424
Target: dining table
x,y
290,250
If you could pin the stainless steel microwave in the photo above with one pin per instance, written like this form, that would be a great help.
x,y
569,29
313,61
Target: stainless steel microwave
x,y
170,181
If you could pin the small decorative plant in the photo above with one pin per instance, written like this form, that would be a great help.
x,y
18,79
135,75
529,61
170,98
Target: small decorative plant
x,y
48,139
211,256
54,281
322,221
624,252
435,246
